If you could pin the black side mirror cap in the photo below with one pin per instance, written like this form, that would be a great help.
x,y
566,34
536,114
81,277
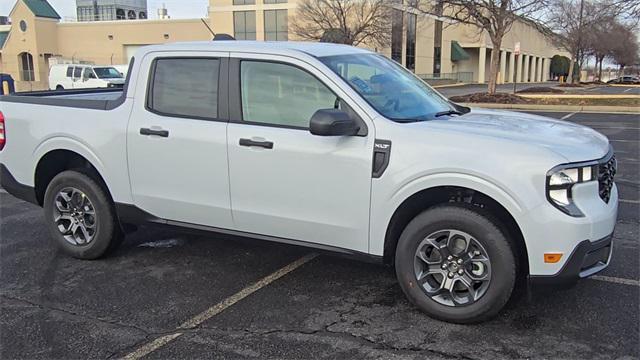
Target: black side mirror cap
x,y
333,122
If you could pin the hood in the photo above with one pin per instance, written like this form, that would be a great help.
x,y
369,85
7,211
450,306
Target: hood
x,y
571,141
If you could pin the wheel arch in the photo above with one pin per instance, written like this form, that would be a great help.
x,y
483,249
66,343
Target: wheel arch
x,y
55,161
437,195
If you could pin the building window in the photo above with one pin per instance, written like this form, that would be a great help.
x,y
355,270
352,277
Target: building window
x,y
275,1
276,25
410,57
244,25
120,14
26,67
244,2
437,60
131,15
396,35
185,88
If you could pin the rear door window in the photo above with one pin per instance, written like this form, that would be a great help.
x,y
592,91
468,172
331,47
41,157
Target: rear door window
x,y
185,87
70,71
77,72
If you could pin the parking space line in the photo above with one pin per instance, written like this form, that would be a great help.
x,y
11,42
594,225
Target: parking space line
x,y
629,201
3,191
613,127
568,116
631,141
616,280
629,89
217,308
625,181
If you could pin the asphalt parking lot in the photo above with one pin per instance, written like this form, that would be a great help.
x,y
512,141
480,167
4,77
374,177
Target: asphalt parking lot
x,y
170,295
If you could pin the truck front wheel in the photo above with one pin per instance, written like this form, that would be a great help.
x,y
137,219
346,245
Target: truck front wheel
x,y
80,217
455,264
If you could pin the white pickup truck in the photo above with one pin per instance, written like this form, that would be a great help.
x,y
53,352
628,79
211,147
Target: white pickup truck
x,y
327,146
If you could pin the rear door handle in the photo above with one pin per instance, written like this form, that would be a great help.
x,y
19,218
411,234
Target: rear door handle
x,y
154,132
253,143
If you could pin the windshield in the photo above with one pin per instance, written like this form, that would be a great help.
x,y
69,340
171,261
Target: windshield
x,y
391,89
108,73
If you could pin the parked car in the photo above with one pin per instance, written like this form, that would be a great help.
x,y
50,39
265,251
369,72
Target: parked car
x,y
122,69
627,79
76,76
320,145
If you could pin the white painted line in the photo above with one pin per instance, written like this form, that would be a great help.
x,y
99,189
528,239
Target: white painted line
x,y
612,127
217,308
625,181
152,346
629,89
629,201
568,116
221,306
625,160
631,141
3,191
616,280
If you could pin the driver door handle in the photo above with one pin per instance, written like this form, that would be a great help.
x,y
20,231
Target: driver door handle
x,y
154,132
253,143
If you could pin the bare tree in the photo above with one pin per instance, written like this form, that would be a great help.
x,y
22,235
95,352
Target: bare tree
x,y
495,17
573,20
598,42
352,22
625,49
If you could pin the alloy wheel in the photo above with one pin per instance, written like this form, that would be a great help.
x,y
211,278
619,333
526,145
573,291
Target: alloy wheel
x,y
452,268
75,216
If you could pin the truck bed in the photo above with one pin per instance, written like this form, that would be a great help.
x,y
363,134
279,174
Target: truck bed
x,y
98,99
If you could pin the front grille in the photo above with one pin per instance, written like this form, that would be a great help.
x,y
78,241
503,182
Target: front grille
x,y
606,172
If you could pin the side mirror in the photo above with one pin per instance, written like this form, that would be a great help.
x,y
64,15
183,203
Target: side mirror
x,y
333,122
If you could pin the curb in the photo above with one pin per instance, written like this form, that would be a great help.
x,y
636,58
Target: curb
x,y
449,85
580,96
558,108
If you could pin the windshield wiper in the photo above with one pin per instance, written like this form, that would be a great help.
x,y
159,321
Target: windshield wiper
x,y
448,112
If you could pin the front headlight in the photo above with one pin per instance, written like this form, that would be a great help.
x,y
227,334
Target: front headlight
x,y
560,181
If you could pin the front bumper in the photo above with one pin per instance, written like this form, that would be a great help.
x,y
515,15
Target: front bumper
x,y
588,258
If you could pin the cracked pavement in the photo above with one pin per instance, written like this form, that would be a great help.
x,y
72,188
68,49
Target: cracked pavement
x,y
55,307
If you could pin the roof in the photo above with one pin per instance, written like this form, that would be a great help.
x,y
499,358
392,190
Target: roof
x,y
42,8
315,49
3,37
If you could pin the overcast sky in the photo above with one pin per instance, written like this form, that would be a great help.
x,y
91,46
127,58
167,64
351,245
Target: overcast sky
x,y
178,9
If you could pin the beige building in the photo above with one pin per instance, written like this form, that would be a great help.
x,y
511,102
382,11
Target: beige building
x,y
37,39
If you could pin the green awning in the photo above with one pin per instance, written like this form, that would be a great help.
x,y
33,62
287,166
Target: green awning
x,y
458,53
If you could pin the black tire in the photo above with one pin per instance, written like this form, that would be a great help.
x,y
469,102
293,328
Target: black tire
x,y
107,235
59,87
486,231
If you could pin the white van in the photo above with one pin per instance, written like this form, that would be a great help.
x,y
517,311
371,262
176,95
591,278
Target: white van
x,y
76,76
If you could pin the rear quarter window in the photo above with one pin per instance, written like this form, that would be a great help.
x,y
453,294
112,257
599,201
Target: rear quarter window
x,y
70,71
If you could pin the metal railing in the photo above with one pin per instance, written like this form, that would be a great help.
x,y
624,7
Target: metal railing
x,y
464,77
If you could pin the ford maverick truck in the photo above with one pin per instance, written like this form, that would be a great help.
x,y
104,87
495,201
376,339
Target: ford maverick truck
x,y
320,145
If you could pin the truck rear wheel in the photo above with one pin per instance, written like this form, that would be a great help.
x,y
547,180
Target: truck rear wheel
x,y
80,217
455,264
